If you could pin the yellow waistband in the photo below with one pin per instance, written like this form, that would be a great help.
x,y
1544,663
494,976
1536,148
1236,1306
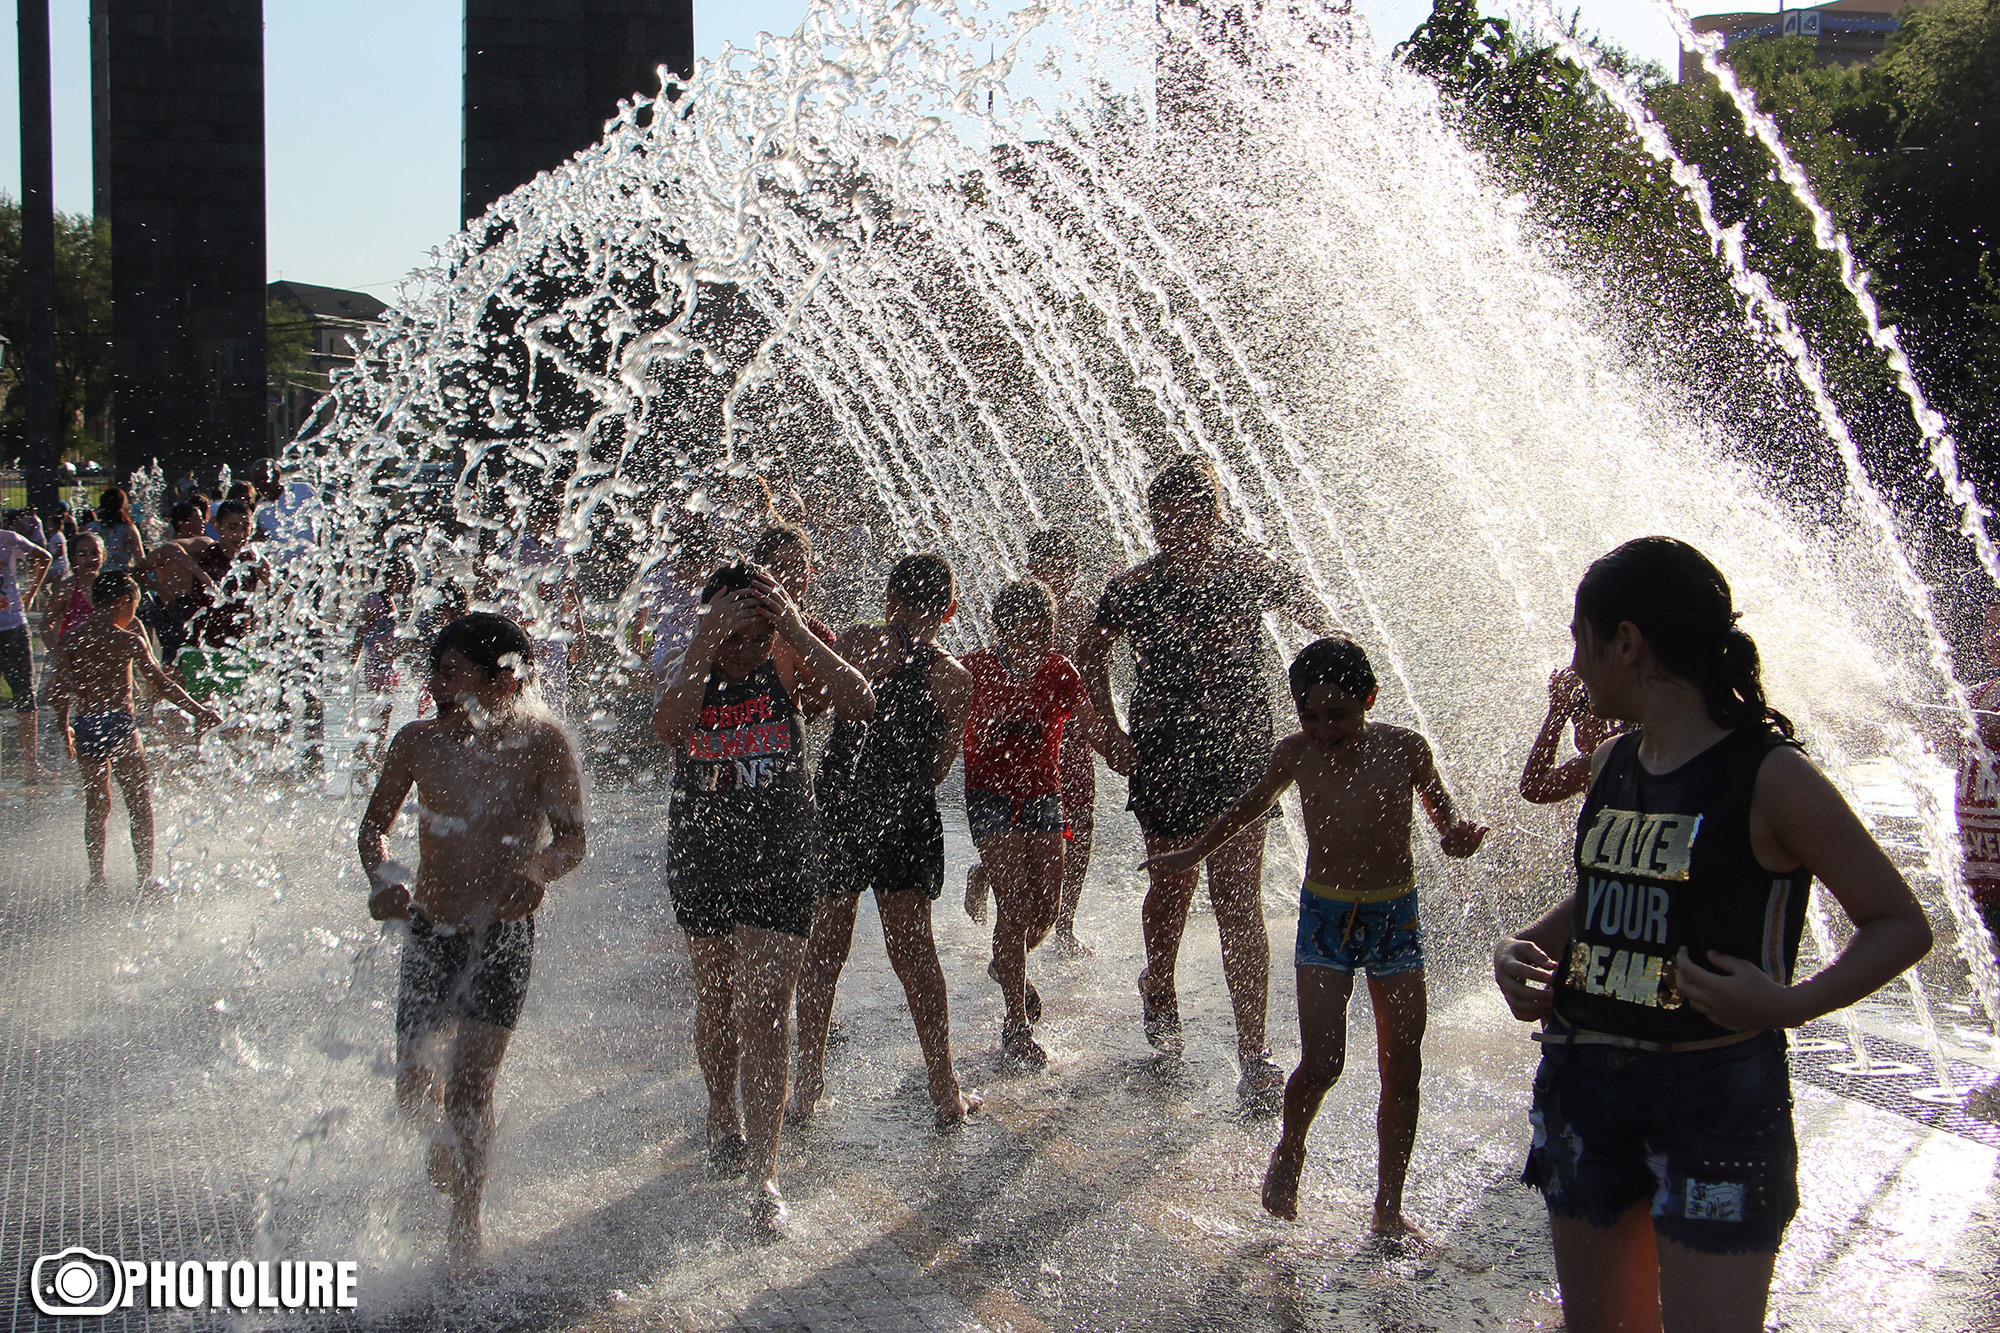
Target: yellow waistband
x,y
1389,894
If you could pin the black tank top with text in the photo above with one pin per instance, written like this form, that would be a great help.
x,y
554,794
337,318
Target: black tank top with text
x,y
1664,860
742,804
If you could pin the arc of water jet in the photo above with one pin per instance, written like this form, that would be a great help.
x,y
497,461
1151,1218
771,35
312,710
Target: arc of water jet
x,y
1938,441
1776,316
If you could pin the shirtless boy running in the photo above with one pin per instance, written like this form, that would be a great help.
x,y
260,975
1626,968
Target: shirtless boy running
x,y
500,817
1358,909
93,702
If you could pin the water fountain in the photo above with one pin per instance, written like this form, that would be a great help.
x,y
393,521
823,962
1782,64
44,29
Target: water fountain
x,y
962,271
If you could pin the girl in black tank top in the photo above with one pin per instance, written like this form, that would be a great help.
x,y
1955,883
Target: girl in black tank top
x,y
1664,861
1662,1108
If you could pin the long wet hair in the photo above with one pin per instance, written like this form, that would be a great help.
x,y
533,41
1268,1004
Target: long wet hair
x,y
111,507
1679,600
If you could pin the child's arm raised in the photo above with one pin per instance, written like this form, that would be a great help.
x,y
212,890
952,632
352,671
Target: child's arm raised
x,y
679,705
1458,837
1543,781
390,896
1279,774
847,690
1797,816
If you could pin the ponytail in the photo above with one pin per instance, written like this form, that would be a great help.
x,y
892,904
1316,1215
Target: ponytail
x,y
1681,604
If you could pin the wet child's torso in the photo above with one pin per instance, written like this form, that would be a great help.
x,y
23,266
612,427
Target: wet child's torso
x,y
1358,808
482,810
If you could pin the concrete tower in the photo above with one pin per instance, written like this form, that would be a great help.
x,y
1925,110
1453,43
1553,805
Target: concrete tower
x,y
542,77
179,130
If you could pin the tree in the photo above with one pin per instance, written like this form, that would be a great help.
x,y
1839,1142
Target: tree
x,y
83,330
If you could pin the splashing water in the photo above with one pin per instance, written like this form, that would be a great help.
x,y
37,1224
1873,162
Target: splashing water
x,y
866,258
960,274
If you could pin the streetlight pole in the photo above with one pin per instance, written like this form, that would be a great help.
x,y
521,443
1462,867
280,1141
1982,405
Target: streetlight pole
x,y
39,437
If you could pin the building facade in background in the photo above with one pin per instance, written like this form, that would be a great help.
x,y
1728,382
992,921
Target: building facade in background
x,y
328,322
1845,32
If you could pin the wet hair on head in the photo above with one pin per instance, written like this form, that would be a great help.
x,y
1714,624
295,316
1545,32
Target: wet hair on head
x,y
182,512
1186,480
487,641
1337,662
1681,603
728,579
1021,601
231,509
922,584
111,506
14,516
111,585
1051,544
776,538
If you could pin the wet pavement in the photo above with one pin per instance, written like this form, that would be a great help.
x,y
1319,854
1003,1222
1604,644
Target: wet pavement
x,y
203,1075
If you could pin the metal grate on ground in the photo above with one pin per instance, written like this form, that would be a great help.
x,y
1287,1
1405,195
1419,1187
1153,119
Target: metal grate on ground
x,y
1902,1073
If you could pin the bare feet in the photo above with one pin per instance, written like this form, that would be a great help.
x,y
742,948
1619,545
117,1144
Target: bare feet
x,y
1281,1182
975,892
807,1089
951,1114
1067,945
768,1213
39,777
728,1155
461,1247
1162,1021
1390,1224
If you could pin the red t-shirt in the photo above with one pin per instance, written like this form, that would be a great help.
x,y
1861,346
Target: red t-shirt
x,y
1013,735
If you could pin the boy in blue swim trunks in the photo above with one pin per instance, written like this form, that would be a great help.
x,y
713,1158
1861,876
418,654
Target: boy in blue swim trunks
x,y
1358,783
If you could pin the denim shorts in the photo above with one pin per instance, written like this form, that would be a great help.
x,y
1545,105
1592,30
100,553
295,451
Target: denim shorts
x,y
1384,938
990,814
1706,1135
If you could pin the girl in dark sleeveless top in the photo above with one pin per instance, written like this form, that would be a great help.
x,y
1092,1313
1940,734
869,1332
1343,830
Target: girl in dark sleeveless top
x,y
1662,1109
877,789
742,865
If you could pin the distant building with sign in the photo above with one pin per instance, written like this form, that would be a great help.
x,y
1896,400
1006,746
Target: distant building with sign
x,y
328,317
1846,32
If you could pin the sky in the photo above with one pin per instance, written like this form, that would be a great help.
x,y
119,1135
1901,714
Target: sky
x,y
362,114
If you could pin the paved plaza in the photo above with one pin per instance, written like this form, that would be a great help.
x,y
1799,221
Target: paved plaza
x,y
204,1075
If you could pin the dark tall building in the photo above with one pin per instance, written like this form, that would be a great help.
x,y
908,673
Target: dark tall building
x,y
179,130
542,77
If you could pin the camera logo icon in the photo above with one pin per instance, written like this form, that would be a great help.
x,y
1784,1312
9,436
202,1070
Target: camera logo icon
x,y
77,1281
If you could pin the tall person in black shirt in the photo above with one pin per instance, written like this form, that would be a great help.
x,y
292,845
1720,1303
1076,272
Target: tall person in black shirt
x,y
1662,1109
1197,735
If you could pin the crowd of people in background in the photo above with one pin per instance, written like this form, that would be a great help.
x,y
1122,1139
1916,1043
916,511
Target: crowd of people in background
x,y
805,757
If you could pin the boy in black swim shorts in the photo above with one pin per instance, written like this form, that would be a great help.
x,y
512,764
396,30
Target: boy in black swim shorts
x,y
1358,783
500,811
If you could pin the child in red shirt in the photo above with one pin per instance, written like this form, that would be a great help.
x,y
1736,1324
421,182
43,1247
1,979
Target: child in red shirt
x,y
1022,693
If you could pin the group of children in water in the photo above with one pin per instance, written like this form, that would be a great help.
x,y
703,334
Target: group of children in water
x,y
1660,1116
